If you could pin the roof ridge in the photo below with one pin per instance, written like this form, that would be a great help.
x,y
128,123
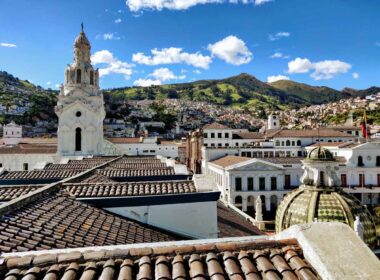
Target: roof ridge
x,y
48,189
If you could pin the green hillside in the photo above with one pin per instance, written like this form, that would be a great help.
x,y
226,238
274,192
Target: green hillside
x,y
310,94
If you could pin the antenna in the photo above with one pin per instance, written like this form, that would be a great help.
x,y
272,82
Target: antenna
x,y
82,26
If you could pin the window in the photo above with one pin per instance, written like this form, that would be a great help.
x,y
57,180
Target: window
x,y
250,183
298,142
79,74
78,114
343,179
287,181
91,77
378,180
152,151
322,178
293,143
1,165
361,180
25,166
237,144
360,161
213,135
212,145
219,135
227,144
238,200
287,143
226,135
273,183
145,151
262,184
238,184
78,139
204,135
219,144
378,161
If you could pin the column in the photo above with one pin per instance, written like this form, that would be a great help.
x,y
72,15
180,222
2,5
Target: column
x,y
267,202
256,183
267,182
244,203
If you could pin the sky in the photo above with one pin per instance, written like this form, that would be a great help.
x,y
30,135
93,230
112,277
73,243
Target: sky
x,y
334,43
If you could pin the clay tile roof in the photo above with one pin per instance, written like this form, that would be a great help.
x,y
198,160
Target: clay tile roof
x,y
320,133
60,221
130,189
29,149
232,224
229,160
239,260
114,173
248,135
11,192
283,160
39,174
215,126
125,140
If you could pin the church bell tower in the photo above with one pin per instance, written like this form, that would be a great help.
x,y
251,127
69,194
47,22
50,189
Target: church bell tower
x,y
80,107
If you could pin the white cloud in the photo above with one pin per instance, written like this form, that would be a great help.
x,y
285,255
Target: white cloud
x,y
118,20
261,2
108,36
322,70
172,56
138,5
232,50
164,74
272,79
299,65
197,72
57,85
279,55
146,82
278,36
48,83
355,75
112,65
377,44
8,45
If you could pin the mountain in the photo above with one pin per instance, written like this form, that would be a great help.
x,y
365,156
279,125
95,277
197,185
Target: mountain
x,y
25,102
310,94
243,91
361,93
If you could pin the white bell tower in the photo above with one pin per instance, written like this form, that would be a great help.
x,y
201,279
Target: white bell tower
x,y
274,122
80,107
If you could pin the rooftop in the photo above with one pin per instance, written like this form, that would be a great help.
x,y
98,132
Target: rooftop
x,y
215,126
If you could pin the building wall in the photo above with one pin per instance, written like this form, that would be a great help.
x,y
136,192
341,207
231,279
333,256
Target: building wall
x,y
15,162
148,149
196,220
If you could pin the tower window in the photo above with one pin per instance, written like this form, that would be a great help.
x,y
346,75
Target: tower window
x,y
91,77
79,76
78,114
78,139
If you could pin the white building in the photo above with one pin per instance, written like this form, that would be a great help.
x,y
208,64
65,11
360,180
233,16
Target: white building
x,y
12,134
242,180
80,107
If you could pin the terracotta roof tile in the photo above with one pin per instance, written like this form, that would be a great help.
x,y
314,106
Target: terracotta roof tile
x,y
59,221
114,173
255,260
320,133
215,126
29,149
229,160
39,174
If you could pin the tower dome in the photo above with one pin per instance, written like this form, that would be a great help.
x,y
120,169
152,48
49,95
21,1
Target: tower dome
x,y
81,40
320,154
321,198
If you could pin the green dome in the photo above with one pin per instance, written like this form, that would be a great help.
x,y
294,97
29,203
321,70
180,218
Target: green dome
x,y
305,204
320,154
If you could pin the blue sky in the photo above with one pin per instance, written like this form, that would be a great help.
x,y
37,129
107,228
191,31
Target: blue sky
x,y
139,42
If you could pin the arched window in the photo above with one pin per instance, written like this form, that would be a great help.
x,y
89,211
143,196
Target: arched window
x,y
298,142
277,143
293,143
78,139
238,200
322,178
273,202
360,161
287,143
79,76
91,77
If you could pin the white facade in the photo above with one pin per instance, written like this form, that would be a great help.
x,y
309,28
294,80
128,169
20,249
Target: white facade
x,y
147,147
242,183
25,161
203,217
12,134
274,122
80,107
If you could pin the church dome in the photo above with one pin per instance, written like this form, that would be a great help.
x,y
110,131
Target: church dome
x,y
81,40
320,154
309,204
